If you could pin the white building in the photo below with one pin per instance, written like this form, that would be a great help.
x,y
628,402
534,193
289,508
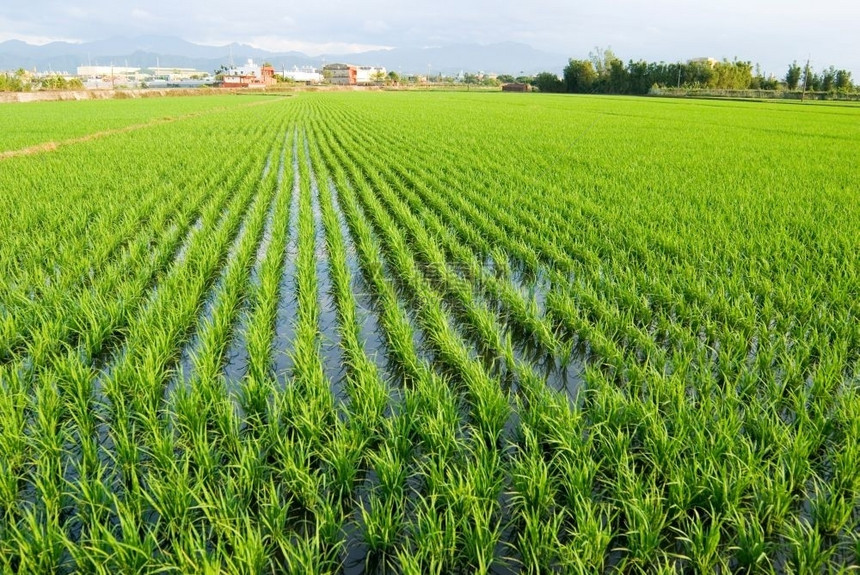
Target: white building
x,y
368,74
307,75
248,69
165,73
106,77
95,71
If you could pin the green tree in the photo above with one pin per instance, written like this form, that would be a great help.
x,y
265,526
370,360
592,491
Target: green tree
x,y
698,74
792,78
601,60
639,80
811,81
53,83
579,76
505,78
548,82
734,75
760,82
471,80
20,81
843,80
617,77
770,83
828,79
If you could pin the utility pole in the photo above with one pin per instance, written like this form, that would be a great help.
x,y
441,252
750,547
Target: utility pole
x,y
805,80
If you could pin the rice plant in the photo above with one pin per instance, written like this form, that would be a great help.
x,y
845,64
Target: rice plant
x,y
514,344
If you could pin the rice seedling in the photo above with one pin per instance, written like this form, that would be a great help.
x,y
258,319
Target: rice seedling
x,y
634,350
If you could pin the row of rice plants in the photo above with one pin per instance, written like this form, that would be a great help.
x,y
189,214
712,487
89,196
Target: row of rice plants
x,y
369,445
73,496
40,306
257,385
199,464
138,439
715,429
532,545
527,547
723,412
237,476
536,527
634,243
530,332
367,392
78,243
105,313
641,337
428,529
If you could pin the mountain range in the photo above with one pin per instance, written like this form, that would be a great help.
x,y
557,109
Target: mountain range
x,y
147,51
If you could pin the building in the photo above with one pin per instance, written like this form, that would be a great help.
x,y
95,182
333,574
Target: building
x,y
106,71
306,75
341,74
164,77
249,76
516,87
349,75
369,74
176,74
107,77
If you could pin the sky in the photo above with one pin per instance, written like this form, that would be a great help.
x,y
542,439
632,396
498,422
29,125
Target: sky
x,y
772,33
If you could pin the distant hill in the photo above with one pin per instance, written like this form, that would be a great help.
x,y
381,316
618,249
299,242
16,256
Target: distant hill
x,y
145,51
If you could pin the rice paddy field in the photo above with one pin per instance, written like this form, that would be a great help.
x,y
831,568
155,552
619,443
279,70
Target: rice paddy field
x,y
429,333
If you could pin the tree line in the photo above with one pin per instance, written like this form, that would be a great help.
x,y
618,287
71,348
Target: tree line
x,y
604,73
23,81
